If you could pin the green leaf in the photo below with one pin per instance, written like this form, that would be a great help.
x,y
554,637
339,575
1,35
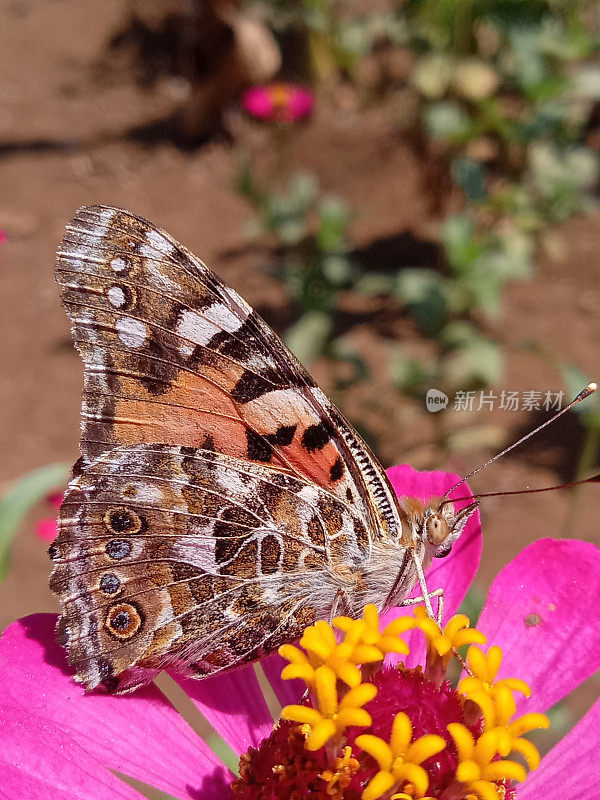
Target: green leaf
x,y
341,350
446,120
483,290
472,360
470,176
304,189
375,283
308,337
22,496
410,374
458,240
472,605
335,218
337,269
424,294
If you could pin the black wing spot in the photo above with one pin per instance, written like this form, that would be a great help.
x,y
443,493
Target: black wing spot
x,y
250,386
110,583
123,520
258,448
316,436
337,469
208,443
282,436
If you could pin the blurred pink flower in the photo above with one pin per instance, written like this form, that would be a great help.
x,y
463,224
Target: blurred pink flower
x,y
58,742
278,102
46,528
3,236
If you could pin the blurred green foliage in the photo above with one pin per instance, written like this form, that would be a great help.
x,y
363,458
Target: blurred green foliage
x,y
310,231
19,499
501,92
504,93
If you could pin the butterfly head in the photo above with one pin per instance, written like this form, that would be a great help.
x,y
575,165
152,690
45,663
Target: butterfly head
x,y
435,524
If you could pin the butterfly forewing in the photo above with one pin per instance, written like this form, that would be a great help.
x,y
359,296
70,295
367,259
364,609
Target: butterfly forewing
x,y
174,356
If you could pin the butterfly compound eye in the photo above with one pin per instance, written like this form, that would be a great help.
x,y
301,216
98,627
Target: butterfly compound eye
x,y
437,530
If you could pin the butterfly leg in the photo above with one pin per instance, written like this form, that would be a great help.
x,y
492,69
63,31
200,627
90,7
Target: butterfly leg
x,y
426,594
340,605
414,601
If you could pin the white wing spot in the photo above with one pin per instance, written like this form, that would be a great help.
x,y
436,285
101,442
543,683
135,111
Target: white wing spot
x,y
132,332
118,264
222,316
159,242
195,328
200,327
116,296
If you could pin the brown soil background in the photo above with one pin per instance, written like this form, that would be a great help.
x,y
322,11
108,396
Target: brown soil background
x,y
66,139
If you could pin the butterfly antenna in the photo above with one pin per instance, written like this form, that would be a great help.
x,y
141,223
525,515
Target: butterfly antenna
x,y
477,497
589,389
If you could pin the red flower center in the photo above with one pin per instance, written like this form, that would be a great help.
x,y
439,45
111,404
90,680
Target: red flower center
x,y
282,769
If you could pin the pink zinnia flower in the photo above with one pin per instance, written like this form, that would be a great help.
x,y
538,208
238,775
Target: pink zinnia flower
x,y
46,528
59,743
278,102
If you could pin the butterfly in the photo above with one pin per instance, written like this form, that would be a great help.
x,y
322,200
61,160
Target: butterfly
x,y
221,503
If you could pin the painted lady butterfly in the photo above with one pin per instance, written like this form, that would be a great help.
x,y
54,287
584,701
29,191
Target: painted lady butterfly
x,y
221,502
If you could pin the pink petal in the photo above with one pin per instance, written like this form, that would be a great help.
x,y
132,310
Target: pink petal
x,y
46,529
140,735
38,759
571,770
541,610
453,573
287,692
234,705
257,102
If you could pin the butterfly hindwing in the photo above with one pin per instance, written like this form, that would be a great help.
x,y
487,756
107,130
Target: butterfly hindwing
x,y
174,356
182,557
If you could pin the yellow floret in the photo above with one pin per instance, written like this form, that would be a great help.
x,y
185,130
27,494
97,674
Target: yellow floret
x,y
477,770
370,643
363,643
485,668
497,703
399,760
331,717
456,633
